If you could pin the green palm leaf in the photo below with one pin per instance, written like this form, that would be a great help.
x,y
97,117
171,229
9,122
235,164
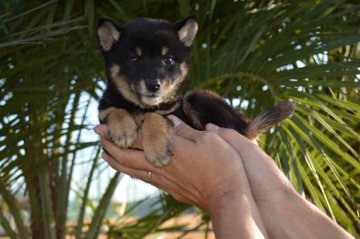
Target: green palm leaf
x,y
254,53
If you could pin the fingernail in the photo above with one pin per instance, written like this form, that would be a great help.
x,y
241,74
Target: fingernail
x,y
175,120
97,130
211,127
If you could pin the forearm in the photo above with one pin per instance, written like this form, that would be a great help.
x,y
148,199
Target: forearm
x,y
238,218
294,217
284,212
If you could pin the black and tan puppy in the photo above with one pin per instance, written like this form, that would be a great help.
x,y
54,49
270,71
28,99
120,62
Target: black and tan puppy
x,y
147,61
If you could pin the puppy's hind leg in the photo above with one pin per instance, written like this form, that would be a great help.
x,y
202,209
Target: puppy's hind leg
x,y
202,107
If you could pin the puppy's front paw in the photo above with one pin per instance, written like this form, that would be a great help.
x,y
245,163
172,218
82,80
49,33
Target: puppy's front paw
x,y
159,152
156,132
123,130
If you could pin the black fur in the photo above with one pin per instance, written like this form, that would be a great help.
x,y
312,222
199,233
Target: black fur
x,y
147,61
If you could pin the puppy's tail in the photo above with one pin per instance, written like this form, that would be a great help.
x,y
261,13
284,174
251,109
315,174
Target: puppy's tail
x,y
272,116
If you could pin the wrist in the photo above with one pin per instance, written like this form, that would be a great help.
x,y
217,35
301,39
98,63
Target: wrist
x,y
220,203
278,213
237,214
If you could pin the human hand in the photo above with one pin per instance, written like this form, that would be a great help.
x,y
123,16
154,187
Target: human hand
x,y
267,182
205,171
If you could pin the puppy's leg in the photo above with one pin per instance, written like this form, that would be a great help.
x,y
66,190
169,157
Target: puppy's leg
x,y
123,129
202,107
156,132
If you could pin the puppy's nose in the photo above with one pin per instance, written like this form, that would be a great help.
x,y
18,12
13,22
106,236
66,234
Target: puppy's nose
x,y
152,85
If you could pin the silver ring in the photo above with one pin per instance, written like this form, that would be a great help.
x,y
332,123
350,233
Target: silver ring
x,y
149,176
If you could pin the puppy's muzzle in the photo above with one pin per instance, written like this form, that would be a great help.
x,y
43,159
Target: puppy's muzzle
x,y
152,85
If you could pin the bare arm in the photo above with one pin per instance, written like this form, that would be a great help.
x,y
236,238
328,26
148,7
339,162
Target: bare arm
x,y
284,212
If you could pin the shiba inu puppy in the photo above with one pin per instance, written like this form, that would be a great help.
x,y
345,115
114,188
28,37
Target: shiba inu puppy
x,y
146,62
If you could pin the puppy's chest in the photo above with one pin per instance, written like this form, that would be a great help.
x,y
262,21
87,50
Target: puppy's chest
x,y
165,108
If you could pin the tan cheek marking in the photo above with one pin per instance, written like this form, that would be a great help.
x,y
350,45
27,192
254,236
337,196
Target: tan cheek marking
x,y
164,51
184,69
122,85
169,91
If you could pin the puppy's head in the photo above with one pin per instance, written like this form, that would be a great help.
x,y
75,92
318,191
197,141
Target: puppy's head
x,y
147,59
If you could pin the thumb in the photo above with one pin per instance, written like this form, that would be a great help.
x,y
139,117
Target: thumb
x,y
183,130
102,130
229,135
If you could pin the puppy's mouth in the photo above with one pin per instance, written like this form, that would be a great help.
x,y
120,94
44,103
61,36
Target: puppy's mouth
x,y
151,95
151,99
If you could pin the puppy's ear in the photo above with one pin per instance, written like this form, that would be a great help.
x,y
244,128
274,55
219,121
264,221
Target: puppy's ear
x,y
187,29
108,33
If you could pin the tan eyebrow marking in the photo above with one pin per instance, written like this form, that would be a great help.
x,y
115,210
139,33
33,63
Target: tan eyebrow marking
x,y
138,51
164,50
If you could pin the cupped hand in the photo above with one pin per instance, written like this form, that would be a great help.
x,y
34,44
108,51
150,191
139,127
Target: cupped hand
x,y
205,170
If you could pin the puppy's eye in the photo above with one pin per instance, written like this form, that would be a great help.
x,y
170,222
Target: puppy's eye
x,y
133,58
169,60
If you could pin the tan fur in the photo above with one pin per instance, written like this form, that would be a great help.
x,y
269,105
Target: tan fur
x,y
173,87
156,132
164,50
123,129
253,132
272,116
138,51
184,69
192,114
122,85
188,32
103,114
108,34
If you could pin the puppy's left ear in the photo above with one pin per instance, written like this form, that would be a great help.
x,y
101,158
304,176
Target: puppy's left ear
x,y
187,29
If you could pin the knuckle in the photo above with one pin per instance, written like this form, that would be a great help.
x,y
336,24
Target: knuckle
x,y
206,136
224,132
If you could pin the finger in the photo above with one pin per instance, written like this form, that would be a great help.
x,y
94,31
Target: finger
x,y
183,130
228,134
158,180
140,174
102,130
147,176
132,158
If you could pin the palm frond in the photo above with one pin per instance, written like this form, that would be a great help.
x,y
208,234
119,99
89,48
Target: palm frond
x,y
254,53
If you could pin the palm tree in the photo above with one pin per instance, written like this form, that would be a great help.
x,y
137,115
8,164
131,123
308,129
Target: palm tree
x,y
253,53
